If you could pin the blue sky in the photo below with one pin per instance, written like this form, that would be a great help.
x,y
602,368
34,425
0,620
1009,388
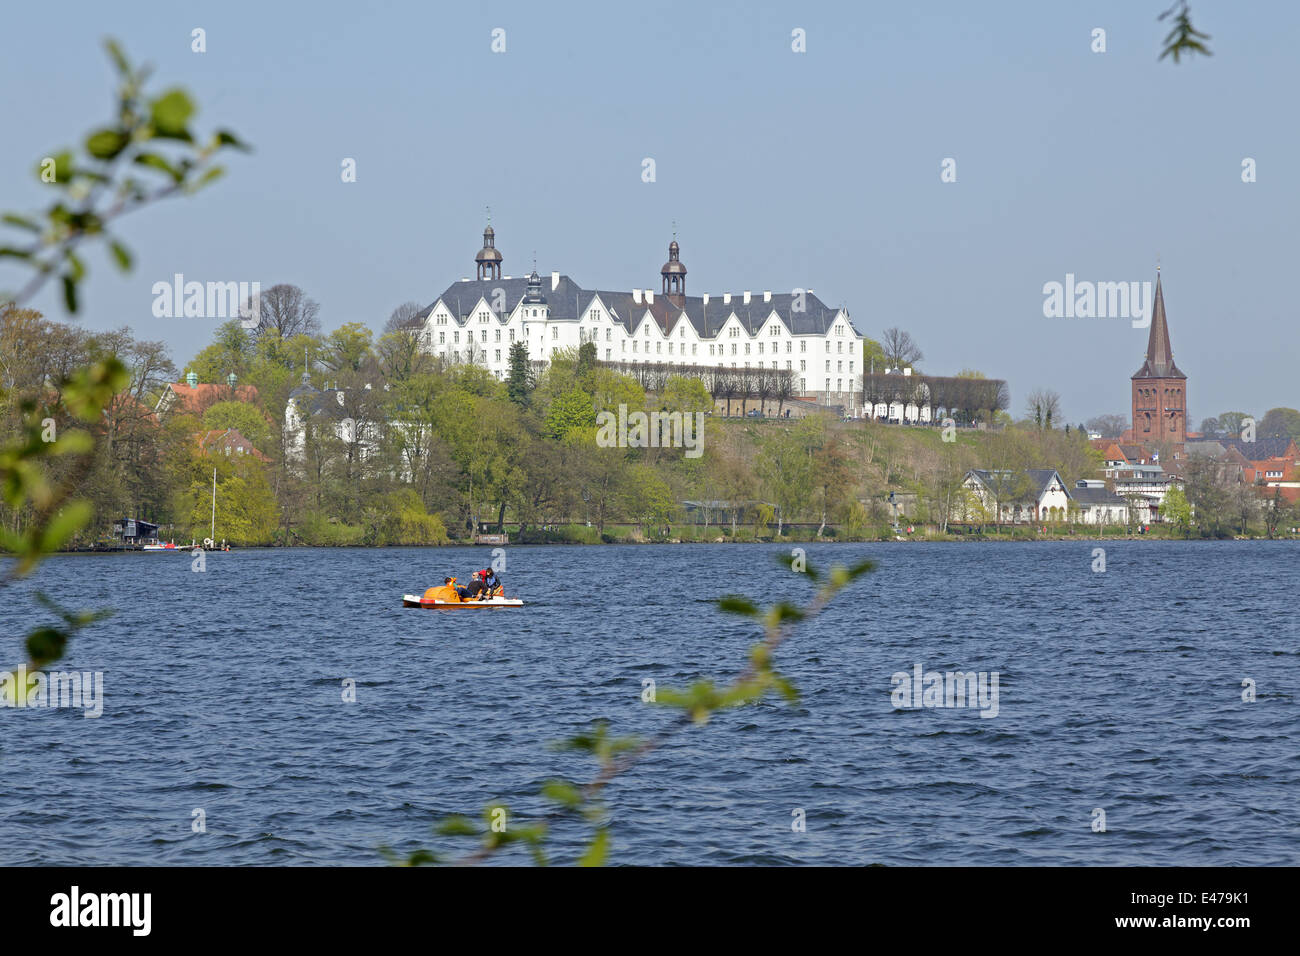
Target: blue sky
x,y
817,170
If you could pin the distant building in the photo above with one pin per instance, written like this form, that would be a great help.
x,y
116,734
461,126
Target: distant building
x,y
192,398
1159,387
477,320
325,408
1144,487
1012,497
228,442
1267,463
135,531
1095,504
1039,495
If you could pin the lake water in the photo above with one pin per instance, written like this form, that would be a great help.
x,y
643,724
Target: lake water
x,y
1118,691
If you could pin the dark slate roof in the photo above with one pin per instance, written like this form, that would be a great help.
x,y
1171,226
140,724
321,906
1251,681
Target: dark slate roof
x,y
1258,450
1039,478
569,300
1097,496
306,388
460,298
312,401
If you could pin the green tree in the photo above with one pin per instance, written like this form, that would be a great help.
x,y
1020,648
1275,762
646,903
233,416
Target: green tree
x,y
574,409
246,418
519,382
1280,423
1177,510
873,357
586,365
347,348
686,394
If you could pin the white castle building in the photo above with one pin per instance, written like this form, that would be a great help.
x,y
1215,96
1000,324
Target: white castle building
x,y
477,320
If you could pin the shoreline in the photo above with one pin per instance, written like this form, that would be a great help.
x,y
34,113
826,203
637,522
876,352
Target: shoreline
x,y
794,542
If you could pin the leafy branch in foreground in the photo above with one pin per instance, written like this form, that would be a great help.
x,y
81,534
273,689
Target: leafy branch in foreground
x,y
616,755
26,482
150,137
148,152
1183,38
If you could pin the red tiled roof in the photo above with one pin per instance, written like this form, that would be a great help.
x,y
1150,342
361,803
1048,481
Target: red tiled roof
x,y
226,441
197,399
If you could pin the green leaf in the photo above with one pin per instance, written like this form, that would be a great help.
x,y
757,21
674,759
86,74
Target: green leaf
x,y
456,826
62,168
118,57
21,222
861,568
65,524
76,268
780,613
785,688
227,138
211,175
597,851
46,644
170,114
787,562
562,792
70,293
154,161
106,143
736,604
121,255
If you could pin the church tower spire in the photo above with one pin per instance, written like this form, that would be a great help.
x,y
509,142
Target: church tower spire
x,y
1160,353
1159,386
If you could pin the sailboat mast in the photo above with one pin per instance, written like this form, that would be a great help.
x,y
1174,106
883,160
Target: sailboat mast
x,y
214,505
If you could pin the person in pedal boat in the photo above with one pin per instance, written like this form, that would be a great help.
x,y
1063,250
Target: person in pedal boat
x,y
476,589
493,583
448,592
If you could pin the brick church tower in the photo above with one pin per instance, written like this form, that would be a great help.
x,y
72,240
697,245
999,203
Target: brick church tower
x,y
1159,387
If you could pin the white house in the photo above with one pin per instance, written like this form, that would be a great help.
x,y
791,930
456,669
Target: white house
x,y
1143,486
1096,504
328,409
477,320
1037,494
